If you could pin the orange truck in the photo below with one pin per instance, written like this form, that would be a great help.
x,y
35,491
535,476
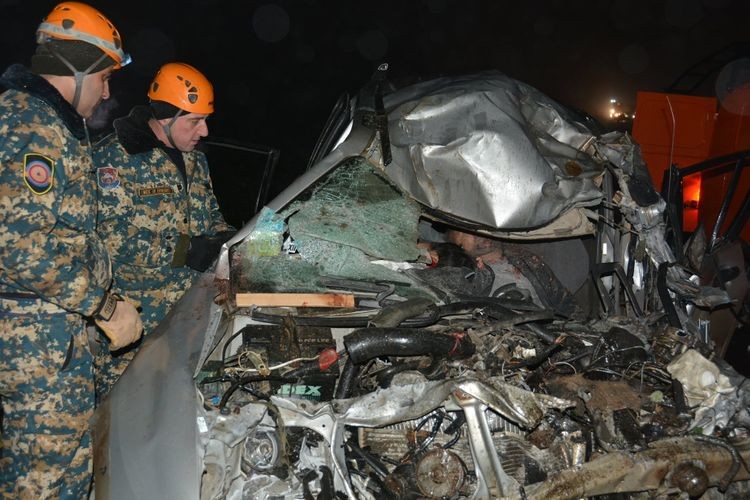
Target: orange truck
x,y
691,132
698,150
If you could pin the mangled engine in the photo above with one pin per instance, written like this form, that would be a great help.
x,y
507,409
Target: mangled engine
x,y
469,382
465,400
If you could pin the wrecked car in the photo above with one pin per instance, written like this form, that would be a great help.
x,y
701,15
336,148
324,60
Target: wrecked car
x,y
327,356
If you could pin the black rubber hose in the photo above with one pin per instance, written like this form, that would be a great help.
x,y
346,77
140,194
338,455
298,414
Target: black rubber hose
x,y
395,314
540,332
372,461
327,487
390,316
494,308
368,343
349,375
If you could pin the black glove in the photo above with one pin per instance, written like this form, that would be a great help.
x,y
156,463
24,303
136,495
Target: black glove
x,y
204,249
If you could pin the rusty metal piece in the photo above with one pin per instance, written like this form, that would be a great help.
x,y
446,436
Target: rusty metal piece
x,y
668,343
623,472
602,394
573,168
736,459
440,473
400,482
690,479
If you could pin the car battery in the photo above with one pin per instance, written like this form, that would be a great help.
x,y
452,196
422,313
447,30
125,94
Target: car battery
x,y
278,344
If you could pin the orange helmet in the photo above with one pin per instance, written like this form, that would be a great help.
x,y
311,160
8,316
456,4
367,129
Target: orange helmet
x,y
183,86
78,21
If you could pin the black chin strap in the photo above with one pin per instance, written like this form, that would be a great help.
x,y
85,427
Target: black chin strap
x,y
78,75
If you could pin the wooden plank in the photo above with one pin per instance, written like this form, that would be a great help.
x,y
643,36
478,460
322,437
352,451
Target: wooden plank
x,y
294,300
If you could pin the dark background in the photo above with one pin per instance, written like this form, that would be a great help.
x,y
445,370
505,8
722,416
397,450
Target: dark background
x,y
279,66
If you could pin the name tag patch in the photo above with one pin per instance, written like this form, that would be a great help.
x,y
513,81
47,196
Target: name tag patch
x,y
155,191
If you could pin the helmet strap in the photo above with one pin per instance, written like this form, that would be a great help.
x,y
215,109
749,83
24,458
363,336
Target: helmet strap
x,y
168,127
77,75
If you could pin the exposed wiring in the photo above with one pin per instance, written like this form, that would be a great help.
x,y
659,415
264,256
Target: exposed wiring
x,y
454,439
671,149
226,346
246,380
615,225
594,361
563,363
420,447
240,369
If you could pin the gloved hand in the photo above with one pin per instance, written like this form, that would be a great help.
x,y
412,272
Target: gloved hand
x,y
124,327
204,249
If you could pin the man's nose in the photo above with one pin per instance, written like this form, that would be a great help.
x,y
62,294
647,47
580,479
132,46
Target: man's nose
x,y
203,129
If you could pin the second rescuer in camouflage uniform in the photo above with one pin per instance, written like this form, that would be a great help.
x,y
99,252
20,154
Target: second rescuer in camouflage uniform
x,y
54,269
157,211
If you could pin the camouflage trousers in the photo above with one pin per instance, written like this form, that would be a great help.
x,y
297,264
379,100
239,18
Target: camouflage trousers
x,y
47,392
154,305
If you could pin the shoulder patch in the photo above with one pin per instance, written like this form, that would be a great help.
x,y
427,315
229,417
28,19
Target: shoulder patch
x,y
38,172
107,178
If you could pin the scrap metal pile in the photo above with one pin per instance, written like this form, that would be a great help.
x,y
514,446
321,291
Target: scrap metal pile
x,y
449,382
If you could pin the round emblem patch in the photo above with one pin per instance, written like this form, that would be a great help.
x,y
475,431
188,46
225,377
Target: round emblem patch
x,y
38,172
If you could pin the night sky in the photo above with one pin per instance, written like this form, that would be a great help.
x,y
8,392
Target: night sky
x,y
279,66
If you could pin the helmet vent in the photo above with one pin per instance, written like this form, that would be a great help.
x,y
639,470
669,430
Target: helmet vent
x,y
68,23
192,98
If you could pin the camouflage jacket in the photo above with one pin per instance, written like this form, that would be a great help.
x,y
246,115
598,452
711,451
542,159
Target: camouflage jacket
x,y
48,244
145,203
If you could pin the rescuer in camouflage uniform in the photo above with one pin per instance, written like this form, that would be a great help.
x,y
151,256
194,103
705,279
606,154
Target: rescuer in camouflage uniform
x,y
157,211
54,269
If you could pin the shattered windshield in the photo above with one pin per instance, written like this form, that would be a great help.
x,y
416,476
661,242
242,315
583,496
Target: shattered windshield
x,y
350,226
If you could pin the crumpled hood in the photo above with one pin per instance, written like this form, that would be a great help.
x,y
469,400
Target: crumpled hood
x,y
490,150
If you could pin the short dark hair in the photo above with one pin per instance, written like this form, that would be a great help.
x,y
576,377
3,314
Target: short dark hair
x,y
161,110
450,255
